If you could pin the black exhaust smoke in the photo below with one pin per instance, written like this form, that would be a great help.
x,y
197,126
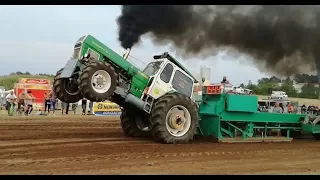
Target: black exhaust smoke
x,y
283,40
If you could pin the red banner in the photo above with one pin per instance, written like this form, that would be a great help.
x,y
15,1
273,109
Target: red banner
x,y
34,81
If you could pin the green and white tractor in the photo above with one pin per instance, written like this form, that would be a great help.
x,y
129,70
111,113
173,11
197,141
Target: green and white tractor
x,y
155,102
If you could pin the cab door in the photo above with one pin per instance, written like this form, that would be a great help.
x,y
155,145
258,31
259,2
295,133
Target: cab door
x,y
162,82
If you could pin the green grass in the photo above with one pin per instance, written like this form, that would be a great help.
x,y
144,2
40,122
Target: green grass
x,y
8,81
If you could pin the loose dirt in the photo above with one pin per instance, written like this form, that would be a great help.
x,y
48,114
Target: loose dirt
x,y
96,145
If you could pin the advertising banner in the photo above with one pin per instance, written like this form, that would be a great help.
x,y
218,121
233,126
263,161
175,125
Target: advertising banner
x,y
34,81
37,87
106,109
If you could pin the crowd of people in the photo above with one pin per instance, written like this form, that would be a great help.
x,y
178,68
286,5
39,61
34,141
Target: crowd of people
x,y
312,109
51,101
24,104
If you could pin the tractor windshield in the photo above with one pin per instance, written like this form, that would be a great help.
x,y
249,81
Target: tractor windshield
x,y
152,68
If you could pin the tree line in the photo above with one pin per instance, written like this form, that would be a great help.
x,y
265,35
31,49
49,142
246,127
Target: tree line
x,y
18,73
265,86
8,81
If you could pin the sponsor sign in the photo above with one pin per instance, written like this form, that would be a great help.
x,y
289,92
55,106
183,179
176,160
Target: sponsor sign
x,y
34,81
106,109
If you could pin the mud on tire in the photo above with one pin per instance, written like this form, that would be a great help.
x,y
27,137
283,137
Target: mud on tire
x,y
159,120
129,126
61,91
89,88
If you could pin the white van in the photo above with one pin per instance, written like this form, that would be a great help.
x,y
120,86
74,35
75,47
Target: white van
x,y
279,95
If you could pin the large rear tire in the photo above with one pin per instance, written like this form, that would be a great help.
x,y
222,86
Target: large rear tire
x,y
65,89
133,125
174,119
98,81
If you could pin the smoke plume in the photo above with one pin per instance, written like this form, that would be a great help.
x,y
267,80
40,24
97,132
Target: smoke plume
x,y
284,39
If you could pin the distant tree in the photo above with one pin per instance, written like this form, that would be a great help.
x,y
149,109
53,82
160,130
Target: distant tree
x,y
19,73
309,91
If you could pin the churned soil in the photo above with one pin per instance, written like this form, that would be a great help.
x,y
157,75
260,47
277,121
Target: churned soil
x,y
96,145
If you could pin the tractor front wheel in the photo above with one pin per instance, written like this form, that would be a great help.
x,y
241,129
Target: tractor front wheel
x,y
98,81
66,89
134,124
174,119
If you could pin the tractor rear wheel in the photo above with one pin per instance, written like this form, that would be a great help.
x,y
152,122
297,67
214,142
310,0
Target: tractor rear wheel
x,y
174,119
66,89
134,125
98,81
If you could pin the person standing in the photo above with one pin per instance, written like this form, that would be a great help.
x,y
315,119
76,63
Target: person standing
x,y
224,80
46,101
29,103
277,108
290,108
53,101
84,106
303,109
11,99
21,101
90,108
65,108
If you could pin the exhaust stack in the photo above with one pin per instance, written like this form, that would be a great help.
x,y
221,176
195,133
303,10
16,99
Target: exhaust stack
x,y
125,56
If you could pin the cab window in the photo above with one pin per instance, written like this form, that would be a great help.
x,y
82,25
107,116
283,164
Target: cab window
x,y
182,83
166,73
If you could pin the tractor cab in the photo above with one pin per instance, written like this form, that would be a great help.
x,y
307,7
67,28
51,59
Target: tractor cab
x,y
166,75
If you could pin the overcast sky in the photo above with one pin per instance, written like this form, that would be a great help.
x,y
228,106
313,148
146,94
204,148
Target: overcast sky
x,y
40,39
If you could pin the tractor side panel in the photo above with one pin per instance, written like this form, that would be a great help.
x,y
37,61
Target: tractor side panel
x,y
139,83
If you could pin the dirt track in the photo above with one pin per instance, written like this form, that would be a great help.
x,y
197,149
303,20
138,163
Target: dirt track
x,y
95,145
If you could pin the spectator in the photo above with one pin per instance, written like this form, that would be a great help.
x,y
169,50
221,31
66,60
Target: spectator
x,y
290,108
84,106
277,108
90,108
74,107
303,109
21,101
224,80
29,103
46,101
65,108
11,99
310,109
281,105
315,110
53,101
